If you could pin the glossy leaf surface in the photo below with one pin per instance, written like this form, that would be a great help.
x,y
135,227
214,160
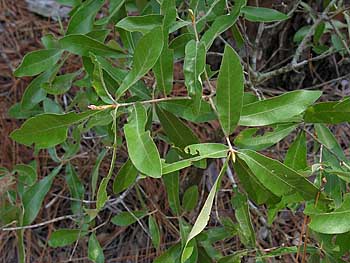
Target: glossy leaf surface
x,y
229,91
142,150
47,130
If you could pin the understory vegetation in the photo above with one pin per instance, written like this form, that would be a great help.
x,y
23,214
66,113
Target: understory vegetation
x,y
209,125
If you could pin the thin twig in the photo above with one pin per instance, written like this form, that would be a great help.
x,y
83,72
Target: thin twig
x,y
339,34
295,7
256,45
262,77
71,217
305,40
109,106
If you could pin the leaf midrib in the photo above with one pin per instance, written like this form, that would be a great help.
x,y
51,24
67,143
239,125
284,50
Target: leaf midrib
x,y
278,177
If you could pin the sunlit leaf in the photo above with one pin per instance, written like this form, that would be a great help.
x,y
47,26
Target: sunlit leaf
x,y
277,109
84,45
142,24
331,222
38,61
229,91
194,66
83,18
47,130
249,140
204,215
278,178
95,252
145,57
142,150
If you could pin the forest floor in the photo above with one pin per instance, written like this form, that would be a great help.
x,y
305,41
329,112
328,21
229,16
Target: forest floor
x,y
20,32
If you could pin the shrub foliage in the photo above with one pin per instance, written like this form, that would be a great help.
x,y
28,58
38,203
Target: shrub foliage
x,y
124,90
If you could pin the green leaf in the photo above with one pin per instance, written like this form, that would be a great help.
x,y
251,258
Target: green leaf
x,y
239,40
142,24
163,71
207,150
261,14
229,91
172,255
203,151
328,112
61,84
128,218
234,258
175,129
65,237
114,8
193,67
95,171
145,57
117,74
217,8
34,94
27,174
254,188
344,175
249,140
326,137
331,154
289,250
99,84
76,188
99,35
221,24
154,231
103,118
83,19
16,112
83,45
296,157
47,130
125,178
95,252
183,109
335,222
301,33
171,182
178,44
49,41
240,205
168,10
204,215
278,178
277,109
142,150
190,252
102,196
38,61
190,198
34,196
